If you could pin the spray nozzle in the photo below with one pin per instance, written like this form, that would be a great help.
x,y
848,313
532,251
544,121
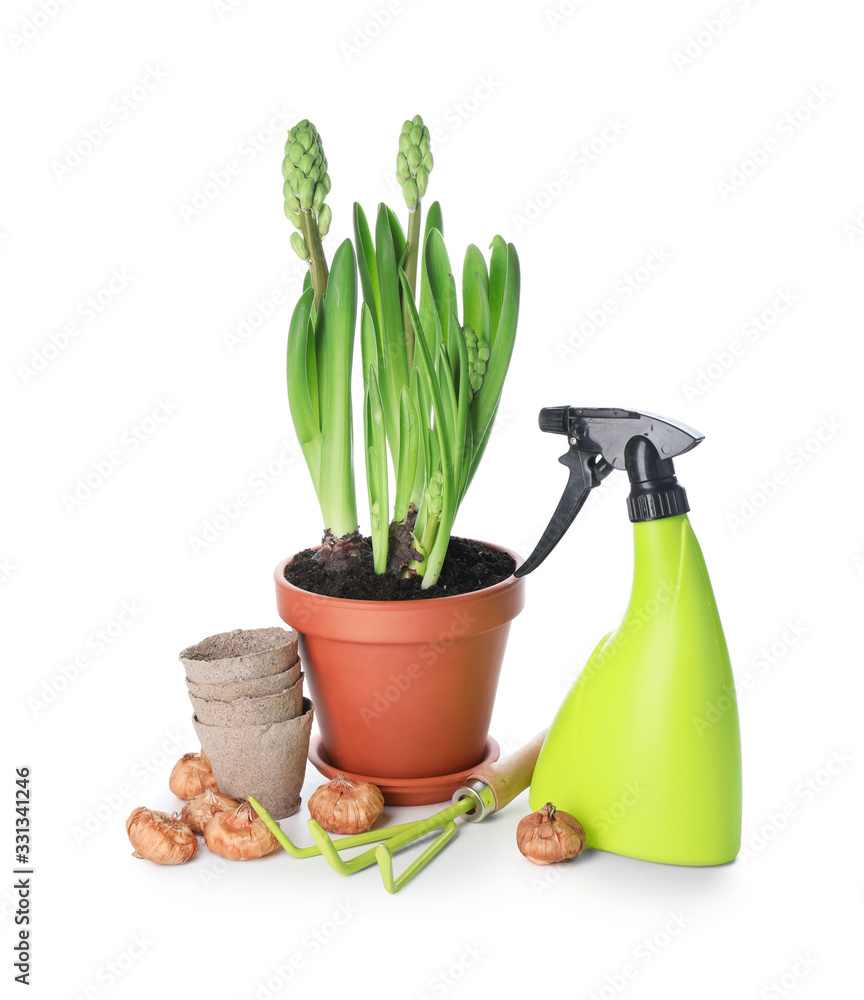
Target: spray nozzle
x,y
605,439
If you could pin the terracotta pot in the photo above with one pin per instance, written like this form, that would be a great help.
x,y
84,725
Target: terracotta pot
x,y
402,688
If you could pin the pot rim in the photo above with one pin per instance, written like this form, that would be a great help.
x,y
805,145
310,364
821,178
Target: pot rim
x,y
354,603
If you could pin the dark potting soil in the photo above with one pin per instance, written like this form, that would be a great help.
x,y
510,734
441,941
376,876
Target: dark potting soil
x,y
469,566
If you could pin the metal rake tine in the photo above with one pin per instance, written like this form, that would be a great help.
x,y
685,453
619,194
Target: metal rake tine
x,y
384,857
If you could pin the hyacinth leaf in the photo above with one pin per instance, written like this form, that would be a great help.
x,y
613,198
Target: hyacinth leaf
x,y
303,413
444,376
426,305
394,366
307,280
335,356
468,464
475,286
398,236
438,270
376,470
367,265
420,399
314,347
368,341
409,446
484,330
497,282
463,404
486,400
427,369
453,328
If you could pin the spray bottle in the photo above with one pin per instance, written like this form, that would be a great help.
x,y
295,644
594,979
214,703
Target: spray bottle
x,y
645,750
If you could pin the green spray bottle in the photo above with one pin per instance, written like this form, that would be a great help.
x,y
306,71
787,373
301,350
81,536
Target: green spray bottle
x,y
645,750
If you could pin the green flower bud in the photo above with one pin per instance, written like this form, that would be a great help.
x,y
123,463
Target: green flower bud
x,y
422,180
404,143
417,120
413,157
298,245
325,180
295,152
406,125
290,197
409,189
306,193
318,197
428,162
402,169
305,164
292,216
416,135
304,136
478,355
324,218
295,177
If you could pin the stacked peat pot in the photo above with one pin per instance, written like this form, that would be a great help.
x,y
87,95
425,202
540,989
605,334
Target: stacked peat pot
x,y
253,722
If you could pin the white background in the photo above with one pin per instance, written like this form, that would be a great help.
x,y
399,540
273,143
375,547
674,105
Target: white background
x,y
701,169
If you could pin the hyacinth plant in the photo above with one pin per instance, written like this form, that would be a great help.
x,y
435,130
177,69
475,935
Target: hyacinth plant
x,y
432,381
